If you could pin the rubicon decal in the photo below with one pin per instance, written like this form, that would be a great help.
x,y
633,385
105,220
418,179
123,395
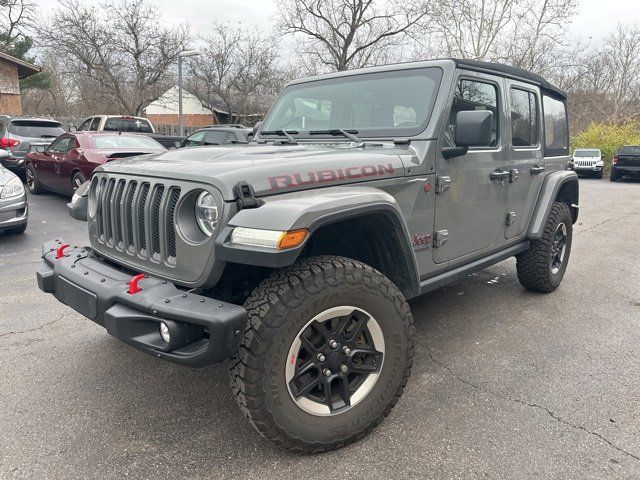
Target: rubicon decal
x,y
329,175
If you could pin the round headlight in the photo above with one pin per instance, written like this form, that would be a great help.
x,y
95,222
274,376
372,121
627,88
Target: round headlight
x,y
206,213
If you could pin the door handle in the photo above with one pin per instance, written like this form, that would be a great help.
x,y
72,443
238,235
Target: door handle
x,y
499,175
536,170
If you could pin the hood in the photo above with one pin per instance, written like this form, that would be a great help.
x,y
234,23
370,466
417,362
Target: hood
x,y
271,169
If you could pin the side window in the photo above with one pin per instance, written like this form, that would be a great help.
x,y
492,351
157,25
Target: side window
x,y
195,139
216,138
556,135
474,95
62,144
524,118
95,124
85,125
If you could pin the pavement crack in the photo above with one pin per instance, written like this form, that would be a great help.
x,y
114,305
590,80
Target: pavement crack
x,y
599,224
525,403
40,327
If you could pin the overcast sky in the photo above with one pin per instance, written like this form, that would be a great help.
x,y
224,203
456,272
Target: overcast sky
x,y
595,18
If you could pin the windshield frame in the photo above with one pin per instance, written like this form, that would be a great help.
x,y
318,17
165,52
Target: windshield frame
x,y
434,72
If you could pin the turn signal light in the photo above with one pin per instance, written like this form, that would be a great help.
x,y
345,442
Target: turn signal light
x,y
293,238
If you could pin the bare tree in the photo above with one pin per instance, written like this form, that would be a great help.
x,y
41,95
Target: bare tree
x,y
16,16
118,52
236,72
525,33
343,34
622,56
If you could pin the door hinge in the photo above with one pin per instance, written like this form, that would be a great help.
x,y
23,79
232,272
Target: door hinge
x,y
511,218
245,195
442,184
440,238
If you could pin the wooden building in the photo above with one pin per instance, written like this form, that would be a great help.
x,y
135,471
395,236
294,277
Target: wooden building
x,y
12,70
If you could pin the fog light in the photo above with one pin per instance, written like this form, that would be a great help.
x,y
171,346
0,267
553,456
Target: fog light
x,y
164,332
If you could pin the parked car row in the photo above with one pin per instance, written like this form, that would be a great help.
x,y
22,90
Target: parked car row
x,y
590,161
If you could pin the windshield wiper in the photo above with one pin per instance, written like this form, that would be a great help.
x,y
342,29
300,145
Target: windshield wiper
x,y
350,134
283,133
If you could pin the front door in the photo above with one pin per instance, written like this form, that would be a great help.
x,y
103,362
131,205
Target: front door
x,y
470,213
51,161
526,158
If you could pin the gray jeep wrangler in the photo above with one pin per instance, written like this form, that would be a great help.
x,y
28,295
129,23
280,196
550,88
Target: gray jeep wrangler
x,y
294,256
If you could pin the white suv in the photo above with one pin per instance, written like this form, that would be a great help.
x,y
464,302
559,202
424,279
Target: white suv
x,y
587,161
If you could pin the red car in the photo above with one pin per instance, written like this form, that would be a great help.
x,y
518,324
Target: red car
x,y
71,158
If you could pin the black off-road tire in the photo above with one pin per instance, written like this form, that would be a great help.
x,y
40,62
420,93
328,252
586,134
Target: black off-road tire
x,y
599,175
33,184
277,309
534,265
613,177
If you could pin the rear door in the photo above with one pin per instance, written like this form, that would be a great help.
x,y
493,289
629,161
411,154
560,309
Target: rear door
x,y
526,161
470,213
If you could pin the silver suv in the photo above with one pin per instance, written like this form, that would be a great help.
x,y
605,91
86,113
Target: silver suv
x,y
17,134
294,256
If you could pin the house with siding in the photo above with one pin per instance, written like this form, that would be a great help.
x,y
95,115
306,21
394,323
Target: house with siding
x,y
164,110
12,70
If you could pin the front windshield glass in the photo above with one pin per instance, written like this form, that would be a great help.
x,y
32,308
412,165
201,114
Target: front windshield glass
x,y
586,153
397,103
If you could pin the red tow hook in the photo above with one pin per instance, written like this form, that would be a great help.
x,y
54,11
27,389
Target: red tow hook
x,y
133,284
60,251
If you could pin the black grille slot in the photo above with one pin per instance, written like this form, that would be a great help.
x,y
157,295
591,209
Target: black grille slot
x,y
138,218
155,218
174,195
129,214
117,214
142,230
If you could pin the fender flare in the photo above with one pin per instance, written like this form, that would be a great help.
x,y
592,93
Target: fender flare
x,y
561,185
312,210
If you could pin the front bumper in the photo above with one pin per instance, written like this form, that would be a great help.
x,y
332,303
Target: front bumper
x,y
14,212
203,330
587,169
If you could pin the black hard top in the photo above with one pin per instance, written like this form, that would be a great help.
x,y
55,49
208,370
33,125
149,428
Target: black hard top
x,y
513,72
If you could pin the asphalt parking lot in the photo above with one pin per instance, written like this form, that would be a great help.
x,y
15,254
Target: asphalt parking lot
x,y
506,384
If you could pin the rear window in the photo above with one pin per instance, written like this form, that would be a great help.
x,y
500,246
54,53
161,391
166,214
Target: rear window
x,y
586,153
630,151
125,141
120,124
35,129
556,130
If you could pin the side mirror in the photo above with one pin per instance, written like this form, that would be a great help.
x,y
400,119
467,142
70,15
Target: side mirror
x,y
79,203
72,128
474,128
177,144
41,149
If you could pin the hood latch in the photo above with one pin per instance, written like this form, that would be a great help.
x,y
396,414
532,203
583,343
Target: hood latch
x,y
246,196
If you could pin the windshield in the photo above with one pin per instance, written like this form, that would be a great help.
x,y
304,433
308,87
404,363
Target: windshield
x,y
630,150
125,141
586,153
397,103
121,124
35,128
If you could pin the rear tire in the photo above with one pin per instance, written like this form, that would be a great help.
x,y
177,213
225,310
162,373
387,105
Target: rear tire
x,y
292,393
613,177
33,184
541,268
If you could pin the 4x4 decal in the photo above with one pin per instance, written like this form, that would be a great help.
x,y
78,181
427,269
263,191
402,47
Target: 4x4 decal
x,y
329,175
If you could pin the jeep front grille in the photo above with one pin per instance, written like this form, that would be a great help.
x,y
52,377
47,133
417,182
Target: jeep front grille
x,y
138,218
585,163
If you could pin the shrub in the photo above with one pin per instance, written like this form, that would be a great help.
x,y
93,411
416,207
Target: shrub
x,y
608,138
